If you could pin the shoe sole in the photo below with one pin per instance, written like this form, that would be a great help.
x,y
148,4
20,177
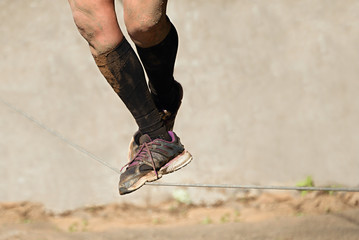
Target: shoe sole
x,y
175,164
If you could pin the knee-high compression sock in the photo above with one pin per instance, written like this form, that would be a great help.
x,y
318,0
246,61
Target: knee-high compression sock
x,y
124,73
158,62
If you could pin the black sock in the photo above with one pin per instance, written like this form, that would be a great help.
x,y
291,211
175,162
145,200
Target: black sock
x,y
123,71
158,62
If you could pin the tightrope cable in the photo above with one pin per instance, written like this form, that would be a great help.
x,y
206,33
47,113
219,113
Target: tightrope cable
x,y
194,185
59,136
248,187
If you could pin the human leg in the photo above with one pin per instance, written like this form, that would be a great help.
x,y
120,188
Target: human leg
x,y
156,40
97,23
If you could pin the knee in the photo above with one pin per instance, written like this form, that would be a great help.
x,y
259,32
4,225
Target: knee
x,y
99,38
141,25
86,28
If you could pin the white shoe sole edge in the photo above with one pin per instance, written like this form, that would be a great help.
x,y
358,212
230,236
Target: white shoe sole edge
x,y
175,164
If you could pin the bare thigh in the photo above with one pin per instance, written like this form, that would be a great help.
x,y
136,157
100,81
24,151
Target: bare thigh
x,y
96,21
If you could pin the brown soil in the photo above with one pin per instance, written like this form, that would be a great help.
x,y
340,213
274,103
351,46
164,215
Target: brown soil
x,y
31,218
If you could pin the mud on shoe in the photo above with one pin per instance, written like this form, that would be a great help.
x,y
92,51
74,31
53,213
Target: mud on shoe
x,y
168,116
154,159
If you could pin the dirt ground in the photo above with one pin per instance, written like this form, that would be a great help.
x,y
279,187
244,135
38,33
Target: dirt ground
x,y
275,216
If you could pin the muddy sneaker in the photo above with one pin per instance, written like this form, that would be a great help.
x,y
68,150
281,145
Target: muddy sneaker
x,y
168,117
134,146
154,159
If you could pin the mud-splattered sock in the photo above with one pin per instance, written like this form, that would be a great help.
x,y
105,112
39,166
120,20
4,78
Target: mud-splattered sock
x,y
123,71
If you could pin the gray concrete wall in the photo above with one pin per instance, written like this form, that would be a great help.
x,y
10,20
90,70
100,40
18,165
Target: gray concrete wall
x,y
271,96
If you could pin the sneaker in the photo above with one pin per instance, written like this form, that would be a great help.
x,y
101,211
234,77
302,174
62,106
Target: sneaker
x,y
168,117
154,159
134,146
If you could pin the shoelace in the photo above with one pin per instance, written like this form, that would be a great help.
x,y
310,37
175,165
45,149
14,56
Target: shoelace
x,y
142,154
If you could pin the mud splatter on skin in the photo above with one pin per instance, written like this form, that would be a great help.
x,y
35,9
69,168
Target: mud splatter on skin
x,y
97,23
85,21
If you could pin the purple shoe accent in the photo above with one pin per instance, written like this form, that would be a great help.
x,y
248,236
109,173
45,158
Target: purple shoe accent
x,y
152,161
172,135
168,116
